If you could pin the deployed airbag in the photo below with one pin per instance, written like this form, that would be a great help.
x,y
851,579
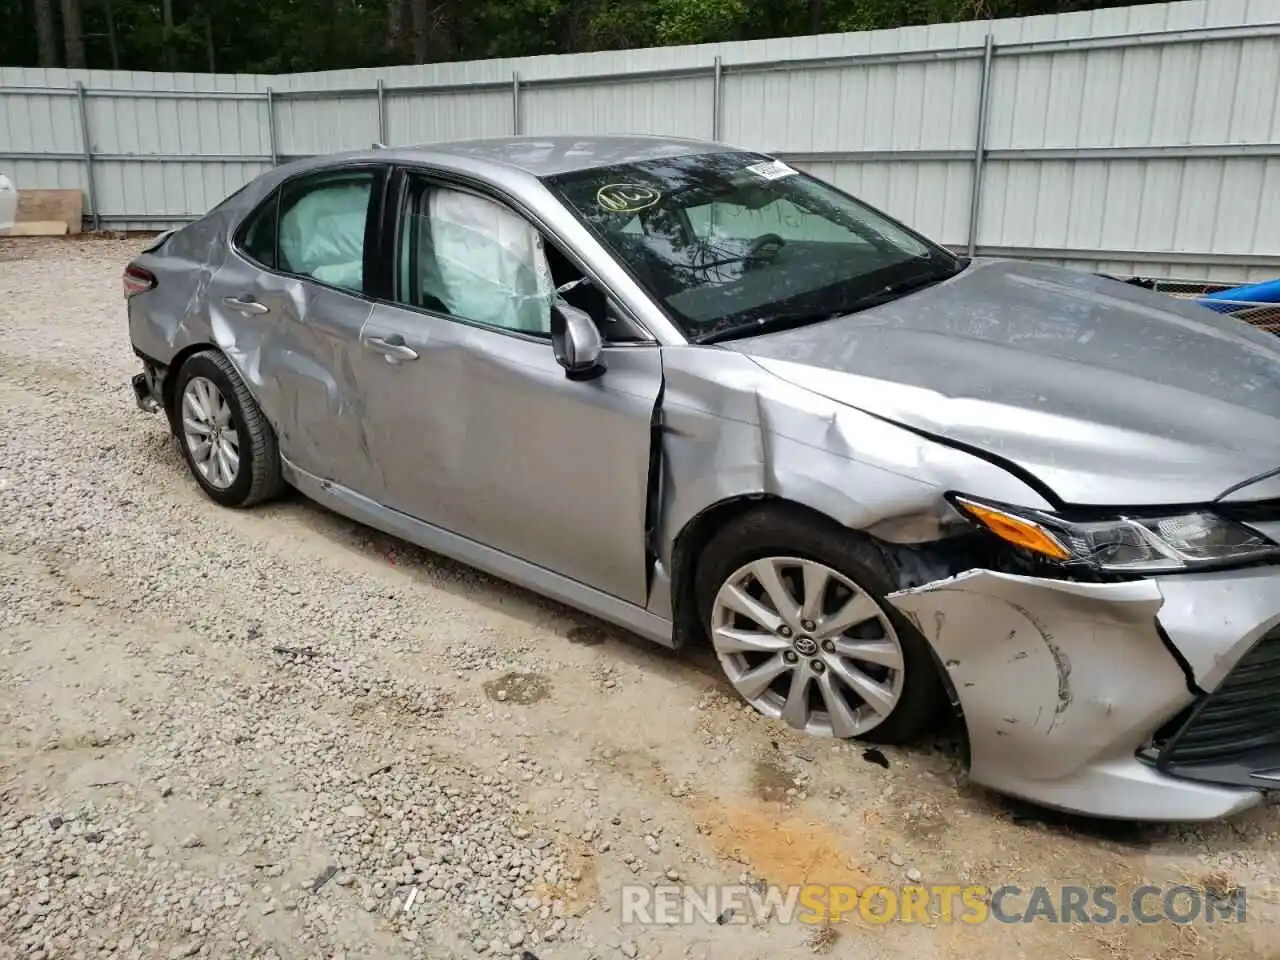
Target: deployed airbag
x,y
322,235
490,263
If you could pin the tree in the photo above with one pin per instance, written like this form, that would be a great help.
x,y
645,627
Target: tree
x,y
166,23
398,17
73,33
46,33
111,34
283,36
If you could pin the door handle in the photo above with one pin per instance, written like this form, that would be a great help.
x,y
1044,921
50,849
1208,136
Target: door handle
x,y
246,305
393,348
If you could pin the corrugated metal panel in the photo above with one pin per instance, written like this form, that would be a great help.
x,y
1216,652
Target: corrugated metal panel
x,y
673,107
39,124
325,126
1210,96
168,191
48,174
196,128
35,124
899,107
1108,146
448,116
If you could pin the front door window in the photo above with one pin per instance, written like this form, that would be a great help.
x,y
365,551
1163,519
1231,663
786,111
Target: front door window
x,y
472,258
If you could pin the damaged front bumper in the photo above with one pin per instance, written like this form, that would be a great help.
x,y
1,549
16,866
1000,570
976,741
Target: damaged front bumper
x,y
1154,699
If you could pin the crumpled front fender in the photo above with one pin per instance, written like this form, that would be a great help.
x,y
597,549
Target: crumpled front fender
x,y
1057,680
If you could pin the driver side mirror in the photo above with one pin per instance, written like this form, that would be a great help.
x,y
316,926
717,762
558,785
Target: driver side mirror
x,y
576,342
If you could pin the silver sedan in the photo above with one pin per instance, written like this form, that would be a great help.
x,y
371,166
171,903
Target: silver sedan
x,y
709,398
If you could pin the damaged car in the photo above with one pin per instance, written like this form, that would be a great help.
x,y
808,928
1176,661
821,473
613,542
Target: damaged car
x,y
709,398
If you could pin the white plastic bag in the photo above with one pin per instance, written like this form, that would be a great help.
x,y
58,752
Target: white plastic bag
x,y
8,202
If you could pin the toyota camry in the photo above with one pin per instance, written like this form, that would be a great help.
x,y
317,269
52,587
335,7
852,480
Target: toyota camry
x,y
707,397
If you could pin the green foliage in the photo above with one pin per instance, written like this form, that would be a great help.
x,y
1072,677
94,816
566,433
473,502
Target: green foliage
x,y
281,36
680,21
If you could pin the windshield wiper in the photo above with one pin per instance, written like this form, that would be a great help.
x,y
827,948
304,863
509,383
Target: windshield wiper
x,y
768,324
901,288
772,323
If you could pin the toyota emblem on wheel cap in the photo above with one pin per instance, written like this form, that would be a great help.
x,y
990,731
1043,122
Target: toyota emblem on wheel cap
x,y
806,646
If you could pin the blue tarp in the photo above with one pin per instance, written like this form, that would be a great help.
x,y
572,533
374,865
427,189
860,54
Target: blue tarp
x,y
1265,292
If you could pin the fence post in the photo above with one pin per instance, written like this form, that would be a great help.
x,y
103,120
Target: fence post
x,y
980,144
516,120
382,113
271,126
717,79
90,187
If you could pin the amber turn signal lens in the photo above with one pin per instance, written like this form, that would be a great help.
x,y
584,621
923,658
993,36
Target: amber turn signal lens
x,y
1015,530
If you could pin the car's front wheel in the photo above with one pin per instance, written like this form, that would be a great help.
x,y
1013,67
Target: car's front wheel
x,y
225,438
795,608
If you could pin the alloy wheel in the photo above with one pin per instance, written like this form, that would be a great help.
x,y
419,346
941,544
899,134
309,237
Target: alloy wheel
x,y
210,433
803,643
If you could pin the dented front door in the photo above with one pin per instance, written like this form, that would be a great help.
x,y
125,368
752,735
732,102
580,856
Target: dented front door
x,y
481,433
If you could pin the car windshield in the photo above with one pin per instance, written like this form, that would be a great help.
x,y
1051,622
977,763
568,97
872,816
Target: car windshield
x,y
733,243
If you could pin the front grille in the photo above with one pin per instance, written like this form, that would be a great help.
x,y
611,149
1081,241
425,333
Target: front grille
x,y
1236,728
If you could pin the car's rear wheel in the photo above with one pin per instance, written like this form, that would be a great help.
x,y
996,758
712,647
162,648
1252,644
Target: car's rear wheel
x,y
795,608
225,439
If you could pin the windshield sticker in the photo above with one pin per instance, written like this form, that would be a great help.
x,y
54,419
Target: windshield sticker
x,y
772,170
626,197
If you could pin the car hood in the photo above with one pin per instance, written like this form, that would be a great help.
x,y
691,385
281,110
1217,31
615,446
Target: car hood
x,y
1104,392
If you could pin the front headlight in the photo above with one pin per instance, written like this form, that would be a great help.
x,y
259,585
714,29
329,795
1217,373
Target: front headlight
x,y
1126,544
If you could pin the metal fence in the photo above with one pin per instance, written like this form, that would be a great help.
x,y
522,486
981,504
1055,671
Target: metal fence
x,y
1263,315
1140,140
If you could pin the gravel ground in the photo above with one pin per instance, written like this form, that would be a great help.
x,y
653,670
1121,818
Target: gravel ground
x,y
257,734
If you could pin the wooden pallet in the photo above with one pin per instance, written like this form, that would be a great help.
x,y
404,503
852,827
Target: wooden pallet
x,y
47,213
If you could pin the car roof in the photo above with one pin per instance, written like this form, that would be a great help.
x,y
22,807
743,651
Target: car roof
x,y
537,156
515,164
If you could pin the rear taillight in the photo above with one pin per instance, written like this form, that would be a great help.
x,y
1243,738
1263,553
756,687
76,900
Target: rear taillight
x,y
137,280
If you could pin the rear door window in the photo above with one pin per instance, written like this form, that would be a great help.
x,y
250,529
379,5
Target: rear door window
x,y
257,239
314,226
322,227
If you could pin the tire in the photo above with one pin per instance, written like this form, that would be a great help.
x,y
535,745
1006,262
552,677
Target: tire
x,y
257,475
795,543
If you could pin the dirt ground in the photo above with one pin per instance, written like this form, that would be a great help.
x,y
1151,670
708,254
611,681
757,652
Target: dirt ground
x,y
251,734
